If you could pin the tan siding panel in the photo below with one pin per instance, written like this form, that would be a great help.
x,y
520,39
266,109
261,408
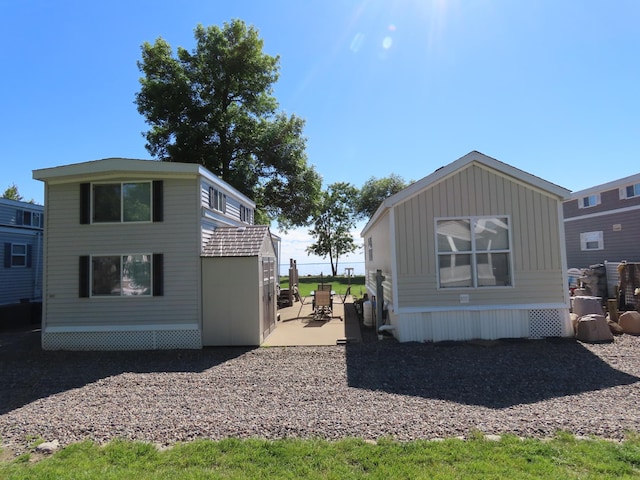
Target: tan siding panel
x,y
477,191
176,237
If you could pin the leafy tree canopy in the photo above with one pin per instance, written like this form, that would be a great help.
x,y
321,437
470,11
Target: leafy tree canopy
x,y
375,191
332,227
215,106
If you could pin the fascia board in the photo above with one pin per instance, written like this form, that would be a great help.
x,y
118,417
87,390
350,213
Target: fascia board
x,y
114,167
614,184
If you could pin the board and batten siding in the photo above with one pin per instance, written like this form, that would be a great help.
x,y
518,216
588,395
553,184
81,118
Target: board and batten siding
x,y
176,237
380,235
479,191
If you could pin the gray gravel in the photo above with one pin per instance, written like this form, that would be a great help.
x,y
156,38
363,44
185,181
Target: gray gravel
x,y
368,390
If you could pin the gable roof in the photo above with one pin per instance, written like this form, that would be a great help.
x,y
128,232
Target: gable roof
x,y
473,157
245,241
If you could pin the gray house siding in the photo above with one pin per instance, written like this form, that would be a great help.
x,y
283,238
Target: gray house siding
x,y
609,200
617,217
212,217
176,237
20,282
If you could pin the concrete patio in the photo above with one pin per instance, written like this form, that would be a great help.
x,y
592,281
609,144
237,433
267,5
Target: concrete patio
x,y
297,326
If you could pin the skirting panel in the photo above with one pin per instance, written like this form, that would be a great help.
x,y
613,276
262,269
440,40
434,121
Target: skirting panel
x,y
461,325
123,340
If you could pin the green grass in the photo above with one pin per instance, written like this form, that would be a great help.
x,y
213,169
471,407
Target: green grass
x,y
477,458
339,284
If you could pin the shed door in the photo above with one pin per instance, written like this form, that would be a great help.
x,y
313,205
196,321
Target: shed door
x,y
268,296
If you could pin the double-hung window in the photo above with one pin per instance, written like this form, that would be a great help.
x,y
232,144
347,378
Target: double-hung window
x,y
474,252
18,255
121,202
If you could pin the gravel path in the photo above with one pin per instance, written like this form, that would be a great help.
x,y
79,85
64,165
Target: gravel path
x,y
368,390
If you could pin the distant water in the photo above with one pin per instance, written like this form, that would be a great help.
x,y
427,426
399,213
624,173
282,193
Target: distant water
x,y
324,268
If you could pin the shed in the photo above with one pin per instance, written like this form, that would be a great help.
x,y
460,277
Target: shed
x,y
473,251
239,282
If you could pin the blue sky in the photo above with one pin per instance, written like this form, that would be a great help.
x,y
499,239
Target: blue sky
x,y
385,86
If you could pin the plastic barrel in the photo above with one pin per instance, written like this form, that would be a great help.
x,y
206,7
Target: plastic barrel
x,y
367,309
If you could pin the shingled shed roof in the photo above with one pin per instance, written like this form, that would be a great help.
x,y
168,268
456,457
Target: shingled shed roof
x,y
244,241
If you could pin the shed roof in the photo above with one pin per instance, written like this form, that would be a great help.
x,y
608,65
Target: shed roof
x,y
245,241
470,158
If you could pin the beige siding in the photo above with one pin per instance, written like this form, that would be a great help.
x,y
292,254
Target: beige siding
x,y
476,191
231,301
177,237
380,234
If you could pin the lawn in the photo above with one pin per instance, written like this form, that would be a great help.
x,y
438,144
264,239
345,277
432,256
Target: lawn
x,y
476,458
339,284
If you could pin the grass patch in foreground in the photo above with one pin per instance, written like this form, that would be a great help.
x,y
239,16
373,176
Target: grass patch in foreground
x,y
562,457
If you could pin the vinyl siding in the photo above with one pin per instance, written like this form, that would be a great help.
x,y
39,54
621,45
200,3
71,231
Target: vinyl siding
x,y
177,237
618,245
479,191
232,301
21,282
381,241
211,218
609,200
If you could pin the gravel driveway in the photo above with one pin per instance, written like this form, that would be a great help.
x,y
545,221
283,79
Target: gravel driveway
x,y
369,390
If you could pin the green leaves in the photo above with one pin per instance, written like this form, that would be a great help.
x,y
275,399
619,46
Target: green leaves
x,y
334,222
214,106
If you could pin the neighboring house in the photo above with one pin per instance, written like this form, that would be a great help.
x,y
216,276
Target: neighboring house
x,y
473,251
21,239
126,248
602,223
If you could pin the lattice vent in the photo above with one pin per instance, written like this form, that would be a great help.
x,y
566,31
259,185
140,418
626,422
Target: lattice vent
x,y
545,323
137,340
175,339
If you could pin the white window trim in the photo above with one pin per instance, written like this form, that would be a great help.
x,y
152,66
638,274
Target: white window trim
x,y
217,200
22,255
584,239
473,252
581,200
91,196
120,255
623,191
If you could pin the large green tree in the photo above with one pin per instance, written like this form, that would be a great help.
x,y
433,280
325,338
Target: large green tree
x,y
215,106
375,191
332,227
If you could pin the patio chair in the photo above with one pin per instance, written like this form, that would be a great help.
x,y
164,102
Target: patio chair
x,y
322,301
